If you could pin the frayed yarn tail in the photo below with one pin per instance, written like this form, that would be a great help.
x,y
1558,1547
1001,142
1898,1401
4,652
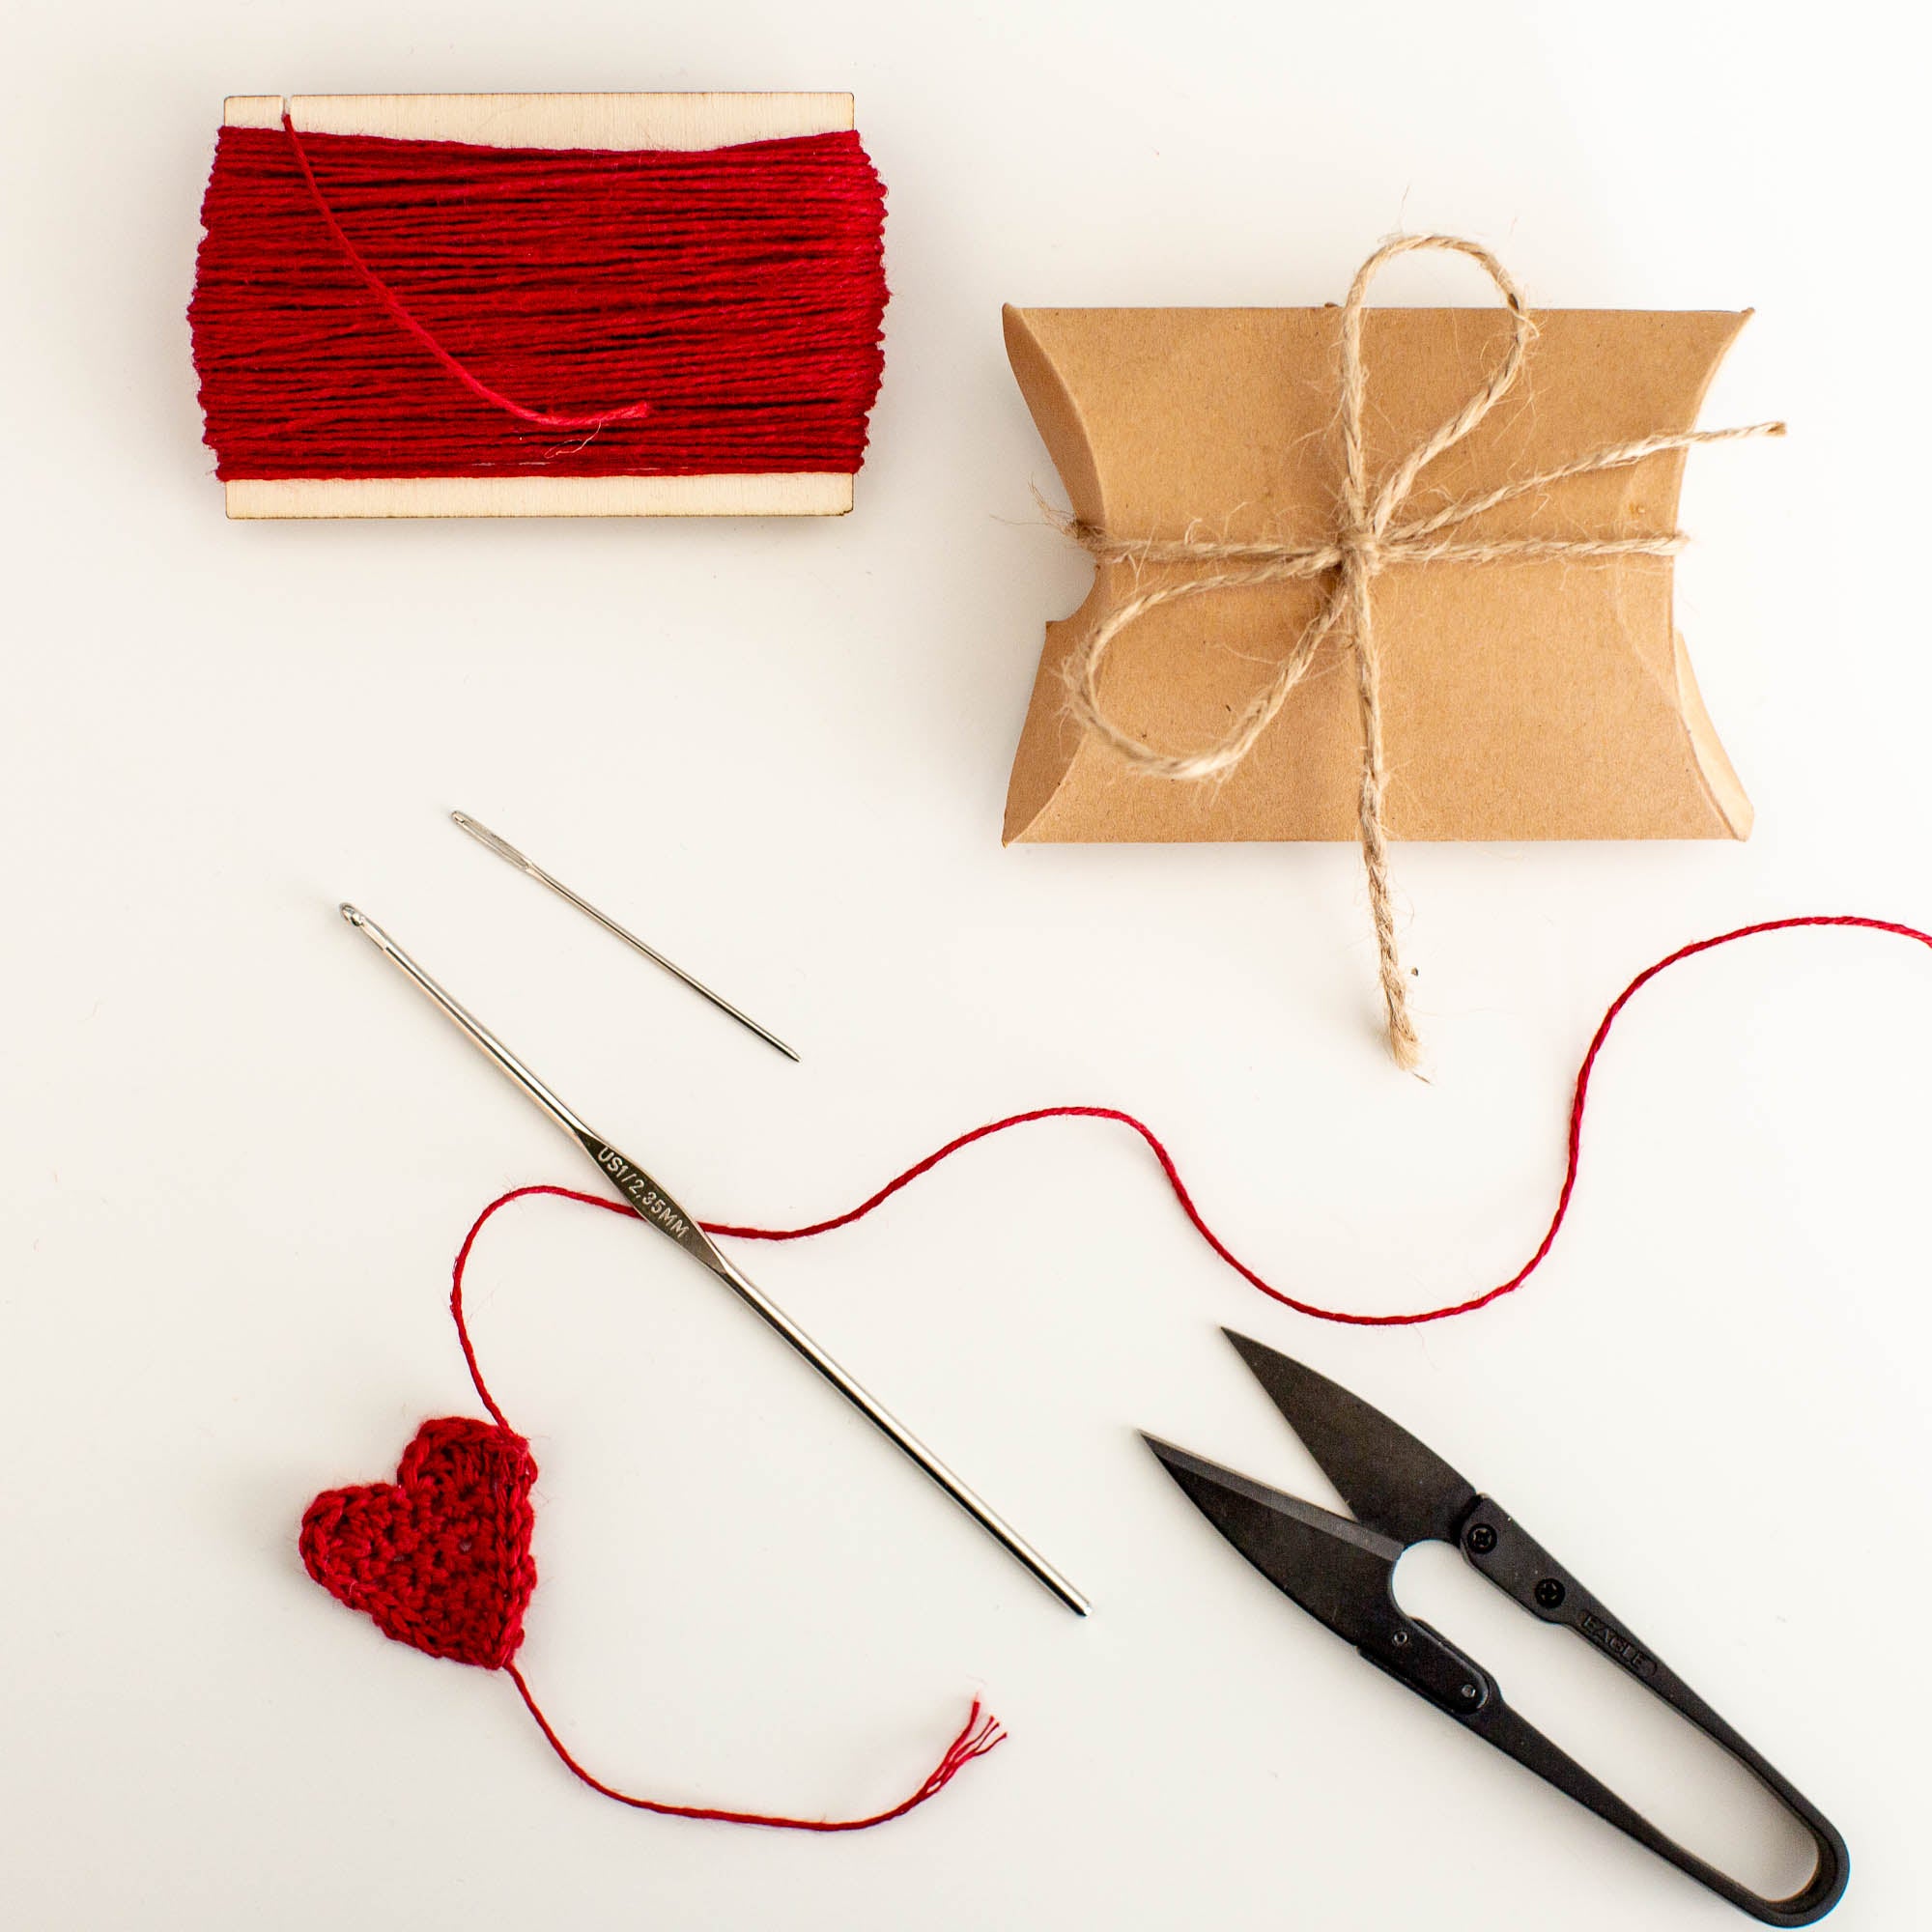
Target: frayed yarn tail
x,y
980,1734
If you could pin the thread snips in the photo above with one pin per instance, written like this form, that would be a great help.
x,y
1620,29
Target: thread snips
x,y
1341,1571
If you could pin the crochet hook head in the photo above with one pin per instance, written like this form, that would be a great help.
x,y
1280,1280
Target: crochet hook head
x,y
505,850
652,1203
479,1034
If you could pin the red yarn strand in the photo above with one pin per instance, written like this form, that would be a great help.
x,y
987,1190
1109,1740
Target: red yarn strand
x,y
977,1735
368,307
980,1734
1579,1100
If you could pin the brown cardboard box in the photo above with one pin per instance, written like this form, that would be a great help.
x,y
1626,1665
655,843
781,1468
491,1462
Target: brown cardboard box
x,y
1550,699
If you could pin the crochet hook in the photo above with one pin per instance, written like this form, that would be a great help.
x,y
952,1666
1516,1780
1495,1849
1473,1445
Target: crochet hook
x,y
503,849
651,1202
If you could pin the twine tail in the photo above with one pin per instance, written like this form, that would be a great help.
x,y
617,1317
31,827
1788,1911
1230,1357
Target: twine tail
x,y
1404,1044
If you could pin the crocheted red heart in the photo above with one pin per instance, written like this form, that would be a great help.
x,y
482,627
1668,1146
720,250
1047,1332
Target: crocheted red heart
x,y
440,1557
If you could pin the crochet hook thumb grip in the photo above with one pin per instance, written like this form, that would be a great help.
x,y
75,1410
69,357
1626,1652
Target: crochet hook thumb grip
x,y
652,1203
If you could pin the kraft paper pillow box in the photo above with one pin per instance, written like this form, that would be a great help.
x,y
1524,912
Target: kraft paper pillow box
x,y
1547,699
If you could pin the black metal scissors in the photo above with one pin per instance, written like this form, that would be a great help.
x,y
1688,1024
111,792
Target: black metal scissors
x,y
1341,1571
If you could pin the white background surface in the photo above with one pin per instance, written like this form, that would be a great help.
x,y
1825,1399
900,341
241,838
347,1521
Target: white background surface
x,y
240,1151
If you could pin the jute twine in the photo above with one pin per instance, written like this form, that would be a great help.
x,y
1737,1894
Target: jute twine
x,y
1366,540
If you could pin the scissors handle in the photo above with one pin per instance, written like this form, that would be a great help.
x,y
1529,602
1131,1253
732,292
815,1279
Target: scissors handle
x,y
1503,1552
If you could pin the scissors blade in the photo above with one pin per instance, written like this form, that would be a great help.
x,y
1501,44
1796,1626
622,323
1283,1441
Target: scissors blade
x,y
1392,1482
1339,1571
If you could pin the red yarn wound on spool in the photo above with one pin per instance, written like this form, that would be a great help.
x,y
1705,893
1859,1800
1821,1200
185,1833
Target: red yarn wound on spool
x,y
369,307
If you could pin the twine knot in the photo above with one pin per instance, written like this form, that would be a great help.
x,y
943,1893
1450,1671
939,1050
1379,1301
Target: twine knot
x,y
1366,540
1361,548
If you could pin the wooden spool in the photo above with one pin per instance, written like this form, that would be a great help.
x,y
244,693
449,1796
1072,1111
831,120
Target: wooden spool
x,y
680,121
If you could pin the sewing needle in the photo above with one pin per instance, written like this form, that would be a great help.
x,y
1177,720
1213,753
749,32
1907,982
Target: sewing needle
x,y
503,849
650,1203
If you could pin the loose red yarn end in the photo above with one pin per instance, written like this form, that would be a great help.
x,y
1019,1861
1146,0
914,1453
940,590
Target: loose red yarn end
x,y
977,1735
369,307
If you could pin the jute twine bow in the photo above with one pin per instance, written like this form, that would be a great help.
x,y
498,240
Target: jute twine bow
x,y
1366,541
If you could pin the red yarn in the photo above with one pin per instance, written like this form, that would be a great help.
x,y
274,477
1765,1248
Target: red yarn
x,y
375,307
977,1735
441,1558
725,1230
632,412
